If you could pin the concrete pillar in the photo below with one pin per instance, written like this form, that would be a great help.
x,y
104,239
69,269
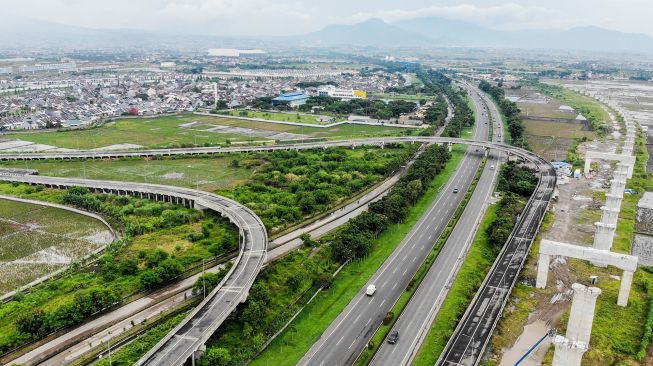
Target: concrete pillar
x,y
609,215
579,327
567,353
587,167
617,186
603,236
542,270
450,147
623,167
619,175
624,289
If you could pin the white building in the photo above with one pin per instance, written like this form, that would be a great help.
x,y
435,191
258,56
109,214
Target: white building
x,y
332,91
64,66
6,70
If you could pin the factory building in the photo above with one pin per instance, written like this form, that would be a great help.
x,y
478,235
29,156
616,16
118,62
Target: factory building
x,y
232,52
292,99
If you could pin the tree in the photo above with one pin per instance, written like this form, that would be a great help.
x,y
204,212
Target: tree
x,y
216,357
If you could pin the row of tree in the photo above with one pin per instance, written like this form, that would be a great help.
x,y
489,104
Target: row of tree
x,y
517,182
356,239
38,323
437,83
374,108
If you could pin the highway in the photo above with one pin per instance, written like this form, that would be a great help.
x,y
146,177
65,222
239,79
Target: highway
x,y
182,340
415,321
193,332
350,332
468,343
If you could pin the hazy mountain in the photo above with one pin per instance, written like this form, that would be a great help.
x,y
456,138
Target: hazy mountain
x,y
444,32
419,32
372,32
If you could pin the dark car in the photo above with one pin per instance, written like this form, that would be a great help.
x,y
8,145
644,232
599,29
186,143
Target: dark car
x,y
455,190
393,337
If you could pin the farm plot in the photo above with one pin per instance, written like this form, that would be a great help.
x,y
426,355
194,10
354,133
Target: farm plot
x,y
37,240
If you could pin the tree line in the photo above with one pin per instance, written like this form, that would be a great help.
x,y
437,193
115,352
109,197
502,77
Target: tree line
x,y
356,239
517,183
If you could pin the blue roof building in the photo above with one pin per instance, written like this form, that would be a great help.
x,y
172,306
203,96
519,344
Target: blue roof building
x,y
292,99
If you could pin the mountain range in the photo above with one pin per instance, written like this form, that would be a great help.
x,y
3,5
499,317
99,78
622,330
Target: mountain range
x,y
419,32
438,32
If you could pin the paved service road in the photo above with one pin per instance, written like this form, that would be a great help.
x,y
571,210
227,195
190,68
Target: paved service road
x,y
346,337
415,320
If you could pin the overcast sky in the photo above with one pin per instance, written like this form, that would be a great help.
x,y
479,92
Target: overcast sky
x,y
287,17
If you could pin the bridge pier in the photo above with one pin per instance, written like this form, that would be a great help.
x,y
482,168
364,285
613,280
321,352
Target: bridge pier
x,y
569,350
603,237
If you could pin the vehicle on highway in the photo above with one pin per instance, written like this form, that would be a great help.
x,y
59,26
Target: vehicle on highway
x,y
491,167
393,337
455,190
371,289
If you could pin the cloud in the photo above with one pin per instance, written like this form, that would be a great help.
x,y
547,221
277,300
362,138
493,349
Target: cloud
x,y
508,16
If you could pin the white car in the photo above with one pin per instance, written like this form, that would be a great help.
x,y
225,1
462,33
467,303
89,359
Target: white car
x,y
371,289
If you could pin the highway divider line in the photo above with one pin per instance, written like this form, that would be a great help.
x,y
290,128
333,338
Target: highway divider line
x,y
421,272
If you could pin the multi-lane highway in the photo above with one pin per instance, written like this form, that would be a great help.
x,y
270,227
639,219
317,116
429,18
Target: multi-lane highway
x,y
466,346
346,337
414,322
190,336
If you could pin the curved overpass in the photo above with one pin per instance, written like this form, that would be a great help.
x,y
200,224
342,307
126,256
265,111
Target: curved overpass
x,y
190,336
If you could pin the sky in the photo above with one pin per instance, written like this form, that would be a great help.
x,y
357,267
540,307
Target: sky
x,y
290,17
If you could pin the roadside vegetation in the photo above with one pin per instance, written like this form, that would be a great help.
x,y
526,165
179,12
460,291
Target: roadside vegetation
x,y
288,186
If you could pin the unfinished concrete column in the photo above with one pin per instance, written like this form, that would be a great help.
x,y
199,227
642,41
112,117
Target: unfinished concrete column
x,y
619,175
623,167
588,162
579,327
569,350
617,186
610,215
603,236
624,289
542,270
567,353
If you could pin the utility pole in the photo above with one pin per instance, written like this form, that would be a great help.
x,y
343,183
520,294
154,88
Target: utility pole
x,y
203,279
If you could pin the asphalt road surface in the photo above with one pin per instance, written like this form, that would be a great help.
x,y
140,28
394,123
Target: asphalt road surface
x,y
346,337
415,320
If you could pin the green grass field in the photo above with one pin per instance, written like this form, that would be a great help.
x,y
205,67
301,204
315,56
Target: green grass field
x,y
166,132
277,116
208,174
34,240
287,349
